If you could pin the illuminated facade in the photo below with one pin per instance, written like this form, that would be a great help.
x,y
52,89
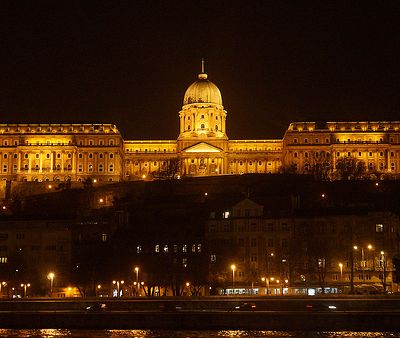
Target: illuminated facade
x,y
61,152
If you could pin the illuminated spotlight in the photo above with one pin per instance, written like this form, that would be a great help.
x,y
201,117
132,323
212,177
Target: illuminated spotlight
x,y
178,177
4,207
377,184
94,181
323,195
49,186
143,176
101,200
206,194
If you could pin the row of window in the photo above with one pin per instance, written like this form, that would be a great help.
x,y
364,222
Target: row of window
x,y
174,248
58,142
34,248
146,150
58,155
327,140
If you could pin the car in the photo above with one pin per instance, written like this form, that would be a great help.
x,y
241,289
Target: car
x,y
245,306
321,307
169,306
98,307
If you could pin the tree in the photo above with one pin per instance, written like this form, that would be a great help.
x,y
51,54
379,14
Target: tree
x,y
349,168
290,168
170,170
321,166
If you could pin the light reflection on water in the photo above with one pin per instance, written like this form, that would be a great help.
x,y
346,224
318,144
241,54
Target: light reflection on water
x,y
57,333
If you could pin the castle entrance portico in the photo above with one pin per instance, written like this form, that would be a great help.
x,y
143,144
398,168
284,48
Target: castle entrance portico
x,y
202,159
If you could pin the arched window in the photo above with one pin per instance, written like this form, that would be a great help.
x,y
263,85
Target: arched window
x,y
202,126
216,127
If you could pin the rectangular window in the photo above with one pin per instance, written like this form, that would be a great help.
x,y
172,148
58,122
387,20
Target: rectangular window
x,y
157,248
378,227
104,237
213,258
225,214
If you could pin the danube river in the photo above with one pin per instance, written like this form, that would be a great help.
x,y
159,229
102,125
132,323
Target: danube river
x,y
50,333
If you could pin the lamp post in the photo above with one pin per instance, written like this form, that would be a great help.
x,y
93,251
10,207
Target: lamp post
x,y
2,284
384,271
268,258
51,276
137,280
233,268
118,283
355,247
25,285
341,271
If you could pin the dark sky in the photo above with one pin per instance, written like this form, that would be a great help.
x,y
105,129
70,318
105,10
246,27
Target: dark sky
x,y
130,62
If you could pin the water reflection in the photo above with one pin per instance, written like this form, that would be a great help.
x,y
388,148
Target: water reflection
x,y
61,333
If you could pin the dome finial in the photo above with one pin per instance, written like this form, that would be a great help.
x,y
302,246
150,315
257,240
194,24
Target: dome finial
x,y
202,75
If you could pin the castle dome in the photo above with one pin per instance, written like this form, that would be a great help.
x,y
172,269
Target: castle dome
x,y
202,91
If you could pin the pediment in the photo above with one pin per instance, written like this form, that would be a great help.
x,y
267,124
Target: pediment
x,y
202,147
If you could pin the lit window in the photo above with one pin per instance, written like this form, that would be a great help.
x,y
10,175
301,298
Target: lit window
x,y
184,248
157,248
198,247
194,248
225,214
139,249
104,237
378,227
184,262
213,258
166,248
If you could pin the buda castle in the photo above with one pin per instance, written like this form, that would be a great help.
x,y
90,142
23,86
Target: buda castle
x,y
75,152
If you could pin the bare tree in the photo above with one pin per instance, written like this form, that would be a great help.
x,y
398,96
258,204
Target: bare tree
x,y
350,168
170,170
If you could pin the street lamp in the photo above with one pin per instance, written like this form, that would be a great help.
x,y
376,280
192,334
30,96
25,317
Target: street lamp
x,y
363,261
266,280
384,271
233,268
341,271
51,276
25,285
137,280
118,283
2,284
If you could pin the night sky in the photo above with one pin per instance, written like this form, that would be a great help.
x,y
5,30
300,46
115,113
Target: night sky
x,y
130,62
